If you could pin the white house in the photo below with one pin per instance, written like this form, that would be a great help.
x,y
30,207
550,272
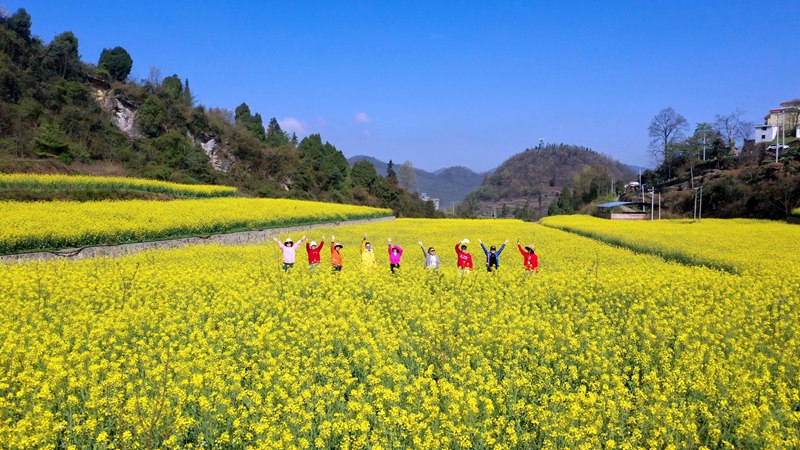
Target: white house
x,y
765,133
424,197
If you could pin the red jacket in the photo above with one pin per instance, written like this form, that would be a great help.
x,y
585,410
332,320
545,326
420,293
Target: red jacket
x,y
531,261
313,253
464,258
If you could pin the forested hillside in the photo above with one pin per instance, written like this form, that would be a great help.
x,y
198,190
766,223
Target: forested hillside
x,y
61,114
526,184
704,173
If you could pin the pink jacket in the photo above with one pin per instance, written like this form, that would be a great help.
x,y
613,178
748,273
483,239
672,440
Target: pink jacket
x,y
394,258
289,253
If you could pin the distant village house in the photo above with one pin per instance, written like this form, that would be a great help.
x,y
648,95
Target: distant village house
x,y
783,121
766,133
424,197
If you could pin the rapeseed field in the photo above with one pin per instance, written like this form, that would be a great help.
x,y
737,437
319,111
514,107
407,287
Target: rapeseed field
x,y
218,347
37,182
52,225
737,245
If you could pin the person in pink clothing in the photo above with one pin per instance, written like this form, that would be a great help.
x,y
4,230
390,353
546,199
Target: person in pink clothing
x,y
395,253
289,250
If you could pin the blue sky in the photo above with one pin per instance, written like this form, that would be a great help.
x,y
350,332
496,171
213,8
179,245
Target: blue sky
x,y
456,83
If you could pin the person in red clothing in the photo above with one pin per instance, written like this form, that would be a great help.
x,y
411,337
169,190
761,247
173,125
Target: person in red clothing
x,y
313,252
530,259
464,257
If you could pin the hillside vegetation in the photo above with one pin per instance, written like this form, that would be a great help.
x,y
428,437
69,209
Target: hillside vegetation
x,y
526,184
749,184
94,119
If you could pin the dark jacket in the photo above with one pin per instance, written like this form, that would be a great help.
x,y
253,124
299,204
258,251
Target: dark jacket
x,y
496,254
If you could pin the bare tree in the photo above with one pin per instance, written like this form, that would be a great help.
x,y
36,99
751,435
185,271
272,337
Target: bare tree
x,y
222,115
407,176
665,130
154,77
731,127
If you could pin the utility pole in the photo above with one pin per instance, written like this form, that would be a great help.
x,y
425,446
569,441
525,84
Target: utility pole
x,y
783,131
700,215
641,188
659,205
694,211
778,141
652,202
704,145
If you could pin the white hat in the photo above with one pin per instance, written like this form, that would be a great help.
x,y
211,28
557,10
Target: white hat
x,y
465,241
313,243
288,240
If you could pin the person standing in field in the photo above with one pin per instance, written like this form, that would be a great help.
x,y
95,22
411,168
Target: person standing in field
x,y
529,257
336,254
395,253
431,258
289,251
313,252
493,255
464,257
367,255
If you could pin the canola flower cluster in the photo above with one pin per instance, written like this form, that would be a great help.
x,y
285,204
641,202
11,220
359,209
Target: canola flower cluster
x,y
217,347
736,245
85,182
28,226
796,212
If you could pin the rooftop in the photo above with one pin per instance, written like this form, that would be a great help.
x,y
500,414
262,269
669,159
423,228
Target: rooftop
x,y
614,204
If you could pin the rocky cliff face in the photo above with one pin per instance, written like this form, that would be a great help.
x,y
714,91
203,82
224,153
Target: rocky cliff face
x,y
220,160
123,113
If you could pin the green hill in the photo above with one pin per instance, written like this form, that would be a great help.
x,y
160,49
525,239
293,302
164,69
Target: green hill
x,y
94,120
526,184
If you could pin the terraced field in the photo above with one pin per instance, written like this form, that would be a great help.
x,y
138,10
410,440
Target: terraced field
x,y
26,226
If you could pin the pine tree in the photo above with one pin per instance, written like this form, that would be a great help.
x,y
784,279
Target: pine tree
x,y
187,93
275,135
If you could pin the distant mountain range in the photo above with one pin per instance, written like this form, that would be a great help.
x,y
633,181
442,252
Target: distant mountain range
x,y
638,169
450,184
